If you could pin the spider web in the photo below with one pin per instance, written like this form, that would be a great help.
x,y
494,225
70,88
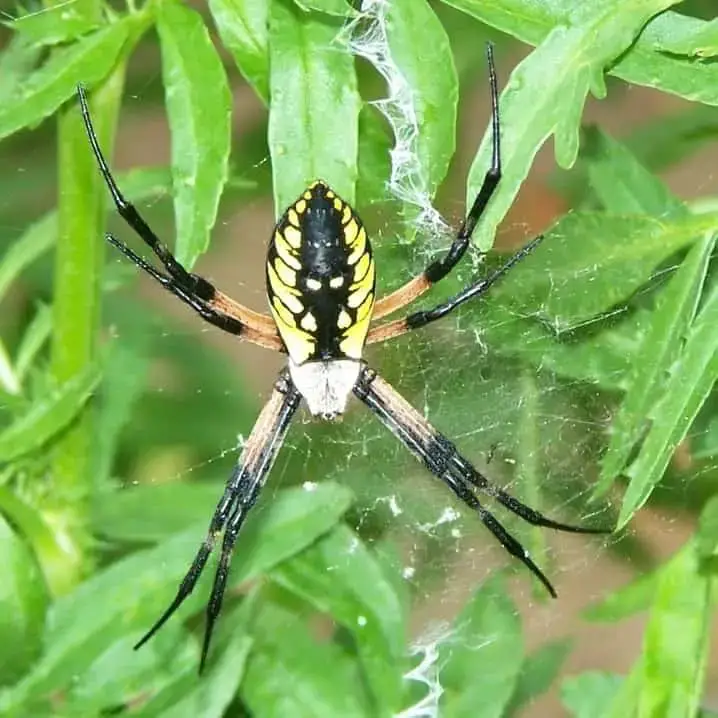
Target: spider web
x,y
531,431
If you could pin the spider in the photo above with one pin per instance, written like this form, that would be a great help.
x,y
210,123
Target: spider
x,y
321,289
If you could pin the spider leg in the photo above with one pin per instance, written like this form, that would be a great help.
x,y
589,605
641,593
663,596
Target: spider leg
x,y
220,577
439,269
442,459
396,328
239,496
531,516
225,321
127,210
253,326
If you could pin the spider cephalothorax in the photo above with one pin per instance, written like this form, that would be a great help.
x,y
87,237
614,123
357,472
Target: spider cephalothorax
x,y
320,286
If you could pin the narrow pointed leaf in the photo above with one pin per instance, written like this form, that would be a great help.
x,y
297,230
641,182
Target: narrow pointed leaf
x,y
689,385
291,674
314,105
243,27
574,281
89,61
547,91
48,416
668,678
339,576
672,317
198,107
482,658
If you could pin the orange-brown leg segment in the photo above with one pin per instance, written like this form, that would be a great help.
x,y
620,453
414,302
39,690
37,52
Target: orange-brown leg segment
x,y
396,328
240,495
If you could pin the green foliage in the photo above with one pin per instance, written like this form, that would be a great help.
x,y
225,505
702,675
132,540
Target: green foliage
x,y
108,475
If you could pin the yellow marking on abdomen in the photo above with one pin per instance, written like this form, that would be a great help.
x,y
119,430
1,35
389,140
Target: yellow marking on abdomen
x,y
288,295
287,275
358,248
285,252
365,309
300,345
286,318
355,336
350,231
293,236
361,288
361,269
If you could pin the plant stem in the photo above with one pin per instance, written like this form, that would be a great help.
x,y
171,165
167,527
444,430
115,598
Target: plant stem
x,y
79,260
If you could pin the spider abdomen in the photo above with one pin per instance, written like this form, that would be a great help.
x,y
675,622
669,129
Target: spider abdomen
x,y
321,278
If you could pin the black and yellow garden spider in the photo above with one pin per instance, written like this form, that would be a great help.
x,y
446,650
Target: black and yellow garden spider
x,y
321,291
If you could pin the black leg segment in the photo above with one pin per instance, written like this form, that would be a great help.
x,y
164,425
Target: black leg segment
x,y
439,269
442,459
239,496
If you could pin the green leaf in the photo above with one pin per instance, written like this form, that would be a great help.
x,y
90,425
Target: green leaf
x,y
672,317
644,64
243,27
149,513
340,577
32,244
331,7
538,672
587,695
707,534
481,660
48,543
131,593
411,28
54,25
547,91
153,513
89,61
602,358
17,61
33,340
622,184
668,678
39,237
689,384
211,695
199,112
125,376
574,281
695,40
23,601
314,105
48,416
291,674
626,601
120,676
374,165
